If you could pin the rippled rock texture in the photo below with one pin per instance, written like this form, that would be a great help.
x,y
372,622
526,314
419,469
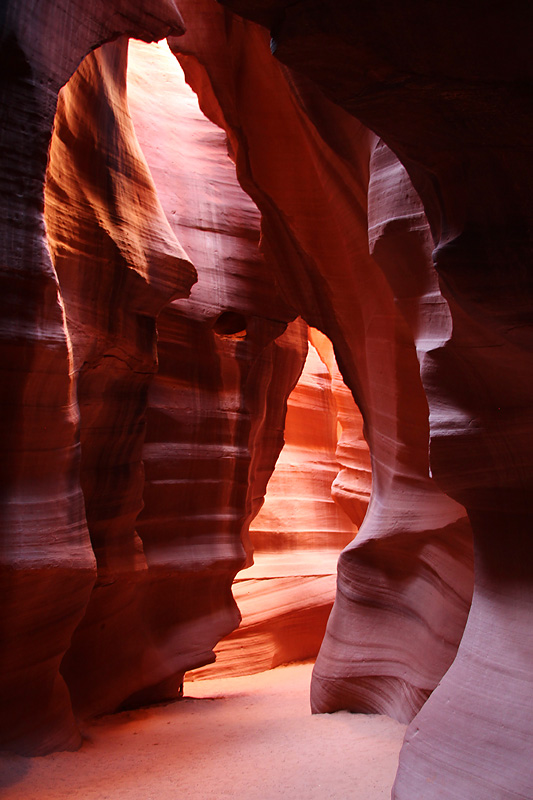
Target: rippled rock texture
x,y
460,122
118,264
286,596
212,419
425,295
99,611
47,562
316,174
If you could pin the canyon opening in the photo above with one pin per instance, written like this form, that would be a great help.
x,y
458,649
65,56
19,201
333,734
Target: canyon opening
x,y
266,338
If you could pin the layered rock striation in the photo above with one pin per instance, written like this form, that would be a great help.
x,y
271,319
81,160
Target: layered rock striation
x,y
47,562
459,120
194,447
393,177
227,362
118,264
121,616
299,514
286,596
307,164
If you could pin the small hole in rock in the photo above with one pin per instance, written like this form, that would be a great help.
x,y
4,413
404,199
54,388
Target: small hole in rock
x,y
230,323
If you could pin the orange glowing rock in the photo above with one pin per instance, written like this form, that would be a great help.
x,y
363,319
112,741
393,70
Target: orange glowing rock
x,y
307,164
425,296
286,596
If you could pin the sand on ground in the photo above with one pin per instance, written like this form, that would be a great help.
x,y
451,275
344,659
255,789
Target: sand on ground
x,y
245,738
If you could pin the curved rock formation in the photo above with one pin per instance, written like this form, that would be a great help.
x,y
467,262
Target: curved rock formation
x,y
299,515
408,572
216,409
161,602
352,484
118,263
460,121
441,363
285,598
47,563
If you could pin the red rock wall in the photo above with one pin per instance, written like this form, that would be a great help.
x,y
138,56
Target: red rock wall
x,y
458,118
306,164
118,263
352,485
286,596
160,601
216,409
299,515
47,563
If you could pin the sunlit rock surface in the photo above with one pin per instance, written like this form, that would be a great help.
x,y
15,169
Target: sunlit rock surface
x,y
286,596
299,514
118,264
440,370
227,362
47,563
160,601
459,119
308,166
209,429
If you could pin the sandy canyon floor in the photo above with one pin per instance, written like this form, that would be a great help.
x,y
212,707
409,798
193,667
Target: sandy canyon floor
x,y
241,738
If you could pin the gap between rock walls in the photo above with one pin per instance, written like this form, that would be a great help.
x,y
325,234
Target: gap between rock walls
x,y
302,272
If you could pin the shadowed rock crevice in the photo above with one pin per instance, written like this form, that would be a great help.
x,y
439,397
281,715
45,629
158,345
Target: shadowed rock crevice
x,y
230,323
379,190
286,596
340,263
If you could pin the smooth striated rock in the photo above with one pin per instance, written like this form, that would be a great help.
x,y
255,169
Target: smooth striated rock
x,y
352,485
227,362
286,596
283,620
299,516
305,162
47,563
158,605
460,120
118,263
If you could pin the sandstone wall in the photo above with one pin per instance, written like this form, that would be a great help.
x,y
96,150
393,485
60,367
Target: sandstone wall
x,y
286,596
406,580
426,296
47,562
458,118
79,468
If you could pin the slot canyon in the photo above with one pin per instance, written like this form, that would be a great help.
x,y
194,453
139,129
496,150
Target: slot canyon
x,y
267,390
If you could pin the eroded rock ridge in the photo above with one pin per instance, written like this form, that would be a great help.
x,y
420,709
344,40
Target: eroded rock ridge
x,y
160,270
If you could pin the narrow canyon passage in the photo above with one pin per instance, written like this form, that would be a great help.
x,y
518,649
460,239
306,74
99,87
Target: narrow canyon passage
x,y
286,595
219,217
247,738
